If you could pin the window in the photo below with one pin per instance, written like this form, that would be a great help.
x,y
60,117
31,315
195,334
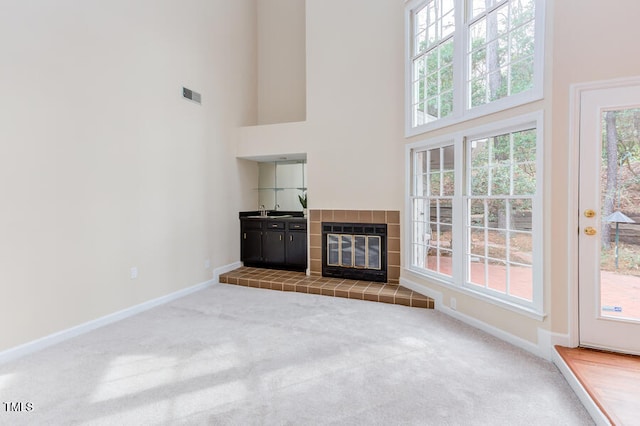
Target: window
x,y
462,65
432,58
475,209
502,184
434,183
500,50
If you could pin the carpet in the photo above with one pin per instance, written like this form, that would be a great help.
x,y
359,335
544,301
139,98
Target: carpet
x,y
231,355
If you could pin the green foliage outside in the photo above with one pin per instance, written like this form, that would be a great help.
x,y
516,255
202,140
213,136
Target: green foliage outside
x,y
501,61
502,49
627,196
503,165
620,189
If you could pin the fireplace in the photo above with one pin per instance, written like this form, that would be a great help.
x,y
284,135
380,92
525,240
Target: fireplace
x,y
355,251
391,218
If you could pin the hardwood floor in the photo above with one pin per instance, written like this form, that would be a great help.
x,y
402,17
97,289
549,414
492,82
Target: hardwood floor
x,y
612,380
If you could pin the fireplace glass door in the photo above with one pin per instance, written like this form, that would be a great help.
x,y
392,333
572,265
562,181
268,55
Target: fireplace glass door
x,y
354,251
373,253
333,250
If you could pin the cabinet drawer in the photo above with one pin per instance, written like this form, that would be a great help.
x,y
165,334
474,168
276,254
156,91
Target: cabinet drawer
x,y
251,224
275,225
297,226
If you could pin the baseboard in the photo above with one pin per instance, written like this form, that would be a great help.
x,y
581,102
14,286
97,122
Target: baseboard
x,y
598,417
561,340
224,269
542,349
425,291
61,336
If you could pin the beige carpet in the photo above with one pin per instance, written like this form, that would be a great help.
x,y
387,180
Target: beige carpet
x,y
231,355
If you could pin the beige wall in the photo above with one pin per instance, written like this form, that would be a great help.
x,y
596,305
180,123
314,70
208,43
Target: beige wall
x,y
353,132
281,61
103,165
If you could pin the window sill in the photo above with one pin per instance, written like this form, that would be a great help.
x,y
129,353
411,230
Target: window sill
x,y
505,304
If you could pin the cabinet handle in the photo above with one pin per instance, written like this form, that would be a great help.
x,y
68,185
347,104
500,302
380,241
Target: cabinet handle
x,y
280,237
275,225
290,237
245,235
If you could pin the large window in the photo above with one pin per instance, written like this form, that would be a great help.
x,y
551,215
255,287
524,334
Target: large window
x,y
465,64
475,209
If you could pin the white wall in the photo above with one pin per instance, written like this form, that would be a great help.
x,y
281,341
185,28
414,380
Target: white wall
x,y
353,135
281,61
103,165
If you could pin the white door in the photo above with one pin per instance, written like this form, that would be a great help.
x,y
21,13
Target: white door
x,y
609,242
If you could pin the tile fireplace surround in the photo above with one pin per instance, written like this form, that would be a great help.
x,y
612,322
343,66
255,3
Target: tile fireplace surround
x,y
390,217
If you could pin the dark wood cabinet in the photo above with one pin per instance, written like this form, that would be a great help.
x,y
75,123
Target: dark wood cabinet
x,y
273,247
251,241
269,242
296,253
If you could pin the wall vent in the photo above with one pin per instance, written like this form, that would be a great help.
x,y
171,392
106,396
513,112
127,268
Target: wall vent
x,y
191,95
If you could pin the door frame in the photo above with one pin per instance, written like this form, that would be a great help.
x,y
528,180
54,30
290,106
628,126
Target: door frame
x,y
576,91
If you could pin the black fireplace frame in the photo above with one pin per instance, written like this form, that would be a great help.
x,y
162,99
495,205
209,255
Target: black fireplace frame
x,y
354,273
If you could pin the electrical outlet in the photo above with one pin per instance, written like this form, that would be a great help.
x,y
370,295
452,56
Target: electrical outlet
x,y
133,273
207,264
453,303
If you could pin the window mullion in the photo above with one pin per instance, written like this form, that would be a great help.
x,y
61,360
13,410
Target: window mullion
x,y
458,218
459,60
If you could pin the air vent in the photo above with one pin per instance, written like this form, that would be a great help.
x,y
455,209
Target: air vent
x,y
191,95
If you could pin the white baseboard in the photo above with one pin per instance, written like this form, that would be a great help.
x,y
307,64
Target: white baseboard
x,y
55,338
561,339
223,269
598,417
425,291
542,349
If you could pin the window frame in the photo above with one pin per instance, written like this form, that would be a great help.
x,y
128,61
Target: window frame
x,y
461,111
458,280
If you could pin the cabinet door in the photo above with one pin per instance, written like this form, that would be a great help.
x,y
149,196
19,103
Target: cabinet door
x,y
251,247
273,246
297,249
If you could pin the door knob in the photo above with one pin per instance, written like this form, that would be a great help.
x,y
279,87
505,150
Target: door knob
x,y
589,213
590,230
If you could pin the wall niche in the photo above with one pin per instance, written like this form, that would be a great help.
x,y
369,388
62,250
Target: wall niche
x,y
280,183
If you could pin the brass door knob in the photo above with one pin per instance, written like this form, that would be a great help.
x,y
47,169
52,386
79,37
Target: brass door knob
x,y
590,230
589,213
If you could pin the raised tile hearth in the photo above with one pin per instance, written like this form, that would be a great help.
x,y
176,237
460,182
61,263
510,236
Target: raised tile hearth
x,y
298,281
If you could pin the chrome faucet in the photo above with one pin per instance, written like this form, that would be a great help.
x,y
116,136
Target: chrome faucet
x,y
276,207
263,211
